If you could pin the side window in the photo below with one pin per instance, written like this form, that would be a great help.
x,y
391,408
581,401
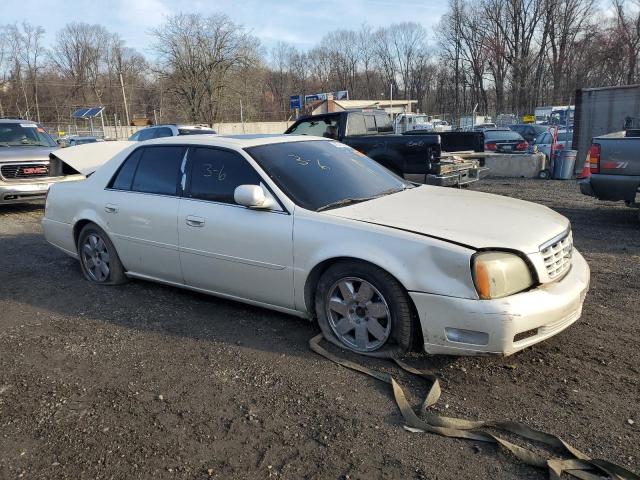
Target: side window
x,y
383,123
124,177
370,123
159,170
162,132
356,125
147,134
215,174
135,137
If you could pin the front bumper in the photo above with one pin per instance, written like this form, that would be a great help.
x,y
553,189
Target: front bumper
x,y
509,324
17,192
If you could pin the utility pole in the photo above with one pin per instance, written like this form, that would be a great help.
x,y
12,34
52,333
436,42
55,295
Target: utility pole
x,y
126,108
241,116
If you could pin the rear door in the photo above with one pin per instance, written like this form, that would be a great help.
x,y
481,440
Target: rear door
x,y
228,248
141,211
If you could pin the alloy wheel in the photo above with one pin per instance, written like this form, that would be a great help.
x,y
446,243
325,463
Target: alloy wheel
x,y
358,314
95,258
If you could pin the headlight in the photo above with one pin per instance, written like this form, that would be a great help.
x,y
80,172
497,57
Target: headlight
x,y
499,274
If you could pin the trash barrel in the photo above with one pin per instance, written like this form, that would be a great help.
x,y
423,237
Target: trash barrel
x,y
564,164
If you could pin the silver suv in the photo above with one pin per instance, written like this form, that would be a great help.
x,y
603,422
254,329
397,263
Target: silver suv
x,y
26,170
170,130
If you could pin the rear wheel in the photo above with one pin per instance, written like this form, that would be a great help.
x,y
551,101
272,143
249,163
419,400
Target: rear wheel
x,y
544,174
98,257
364,308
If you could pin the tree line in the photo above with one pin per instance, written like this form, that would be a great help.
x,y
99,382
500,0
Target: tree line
x,y
499,56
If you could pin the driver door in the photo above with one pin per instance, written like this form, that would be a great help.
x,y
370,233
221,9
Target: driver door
x,y
228,248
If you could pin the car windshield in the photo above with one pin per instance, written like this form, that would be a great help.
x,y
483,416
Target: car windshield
x,y
195,131
325,127
493,135
27,134
318,175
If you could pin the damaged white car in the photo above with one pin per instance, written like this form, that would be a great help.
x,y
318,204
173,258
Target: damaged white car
x,y
311,227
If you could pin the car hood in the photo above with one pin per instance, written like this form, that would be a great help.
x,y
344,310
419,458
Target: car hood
x,y
24,154
474,219
88,157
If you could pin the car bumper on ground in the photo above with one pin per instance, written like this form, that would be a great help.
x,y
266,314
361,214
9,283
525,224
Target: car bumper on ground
x,y
458,326
26,192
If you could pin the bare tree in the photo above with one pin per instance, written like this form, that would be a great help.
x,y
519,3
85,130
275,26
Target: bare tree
x,y
628,27
197,56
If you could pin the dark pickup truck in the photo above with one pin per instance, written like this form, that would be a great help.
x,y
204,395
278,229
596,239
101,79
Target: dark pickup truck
x,y
615,168
415,157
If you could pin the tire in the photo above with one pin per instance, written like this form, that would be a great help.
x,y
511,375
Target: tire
x,y
544,174
98,257
364,309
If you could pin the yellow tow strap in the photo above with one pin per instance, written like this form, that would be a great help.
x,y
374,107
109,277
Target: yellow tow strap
x,y
578,465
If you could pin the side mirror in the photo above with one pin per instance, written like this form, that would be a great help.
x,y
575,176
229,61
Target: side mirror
x,y
252,196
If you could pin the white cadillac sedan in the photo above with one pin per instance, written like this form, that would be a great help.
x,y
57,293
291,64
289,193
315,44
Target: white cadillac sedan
x,y
311,227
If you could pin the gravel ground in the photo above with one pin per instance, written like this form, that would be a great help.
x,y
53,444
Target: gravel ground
x,y
147,381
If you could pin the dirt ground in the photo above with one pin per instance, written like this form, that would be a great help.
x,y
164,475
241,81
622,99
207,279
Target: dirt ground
x,y
147,381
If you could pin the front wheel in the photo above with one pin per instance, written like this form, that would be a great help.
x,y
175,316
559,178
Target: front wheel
x,y
98,257
364,308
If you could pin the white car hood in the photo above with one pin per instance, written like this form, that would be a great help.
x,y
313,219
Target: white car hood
x,y
88,157
475,219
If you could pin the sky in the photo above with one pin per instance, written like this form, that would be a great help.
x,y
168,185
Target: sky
x,y
300,22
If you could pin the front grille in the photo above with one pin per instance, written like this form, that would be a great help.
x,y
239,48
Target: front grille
x,y
24,170
557,255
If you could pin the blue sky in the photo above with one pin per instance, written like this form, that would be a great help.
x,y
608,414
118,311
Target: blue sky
x,y
300,22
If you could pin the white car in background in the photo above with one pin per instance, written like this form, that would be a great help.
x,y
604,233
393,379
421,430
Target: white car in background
x,y
311,227
544,141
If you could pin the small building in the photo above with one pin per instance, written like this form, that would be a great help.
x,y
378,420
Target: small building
x,y
392,107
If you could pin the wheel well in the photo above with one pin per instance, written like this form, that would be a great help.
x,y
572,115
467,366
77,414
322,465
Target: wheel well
x,y
77,228
314,277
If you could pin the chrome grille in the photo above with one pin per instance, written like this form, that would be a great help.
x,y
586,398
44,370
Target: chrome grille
x,y
557,255
24,170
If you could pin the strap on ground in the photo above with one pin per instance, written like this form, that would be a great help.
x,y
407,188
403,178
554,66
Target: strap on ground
x,y
577,464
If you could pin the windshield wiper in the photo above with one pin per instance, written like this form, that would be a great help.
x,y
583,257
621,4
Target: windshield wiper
x,y
343,202
351,201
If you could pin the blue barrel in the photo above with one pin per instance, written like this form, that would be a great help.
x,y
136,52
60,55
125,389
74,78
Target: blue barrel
x,y
564,164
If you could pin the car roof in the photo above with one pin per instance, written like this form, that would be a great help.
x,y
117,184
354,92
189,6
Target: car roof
x,y
237,141
17,120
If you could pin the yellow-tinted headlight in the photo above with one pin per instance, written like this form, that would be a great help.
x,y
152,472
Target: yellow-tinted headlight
x,y
499,274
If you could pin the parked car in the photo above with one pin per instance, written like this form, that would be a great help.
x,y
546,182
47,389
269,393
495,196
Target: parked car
x,y
72,141
26,170
614,168
529,131
314,228
504,141
170,130
544,141
481,127
414,155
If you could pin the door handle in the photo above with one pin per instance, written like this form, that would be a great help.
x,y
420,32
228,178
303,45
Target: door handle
x,y
194,221
111,208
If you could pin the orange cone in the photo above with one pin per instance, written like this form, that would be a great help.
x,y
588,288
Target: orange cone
x,y
586,170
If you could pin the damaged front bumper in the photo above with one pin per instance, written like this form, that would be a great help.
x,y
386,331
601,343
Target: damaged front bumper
x,y
458,326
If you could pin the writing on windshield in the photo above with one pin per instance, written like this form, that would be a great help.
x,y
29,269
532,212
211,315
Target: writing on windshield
x,y
316,173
